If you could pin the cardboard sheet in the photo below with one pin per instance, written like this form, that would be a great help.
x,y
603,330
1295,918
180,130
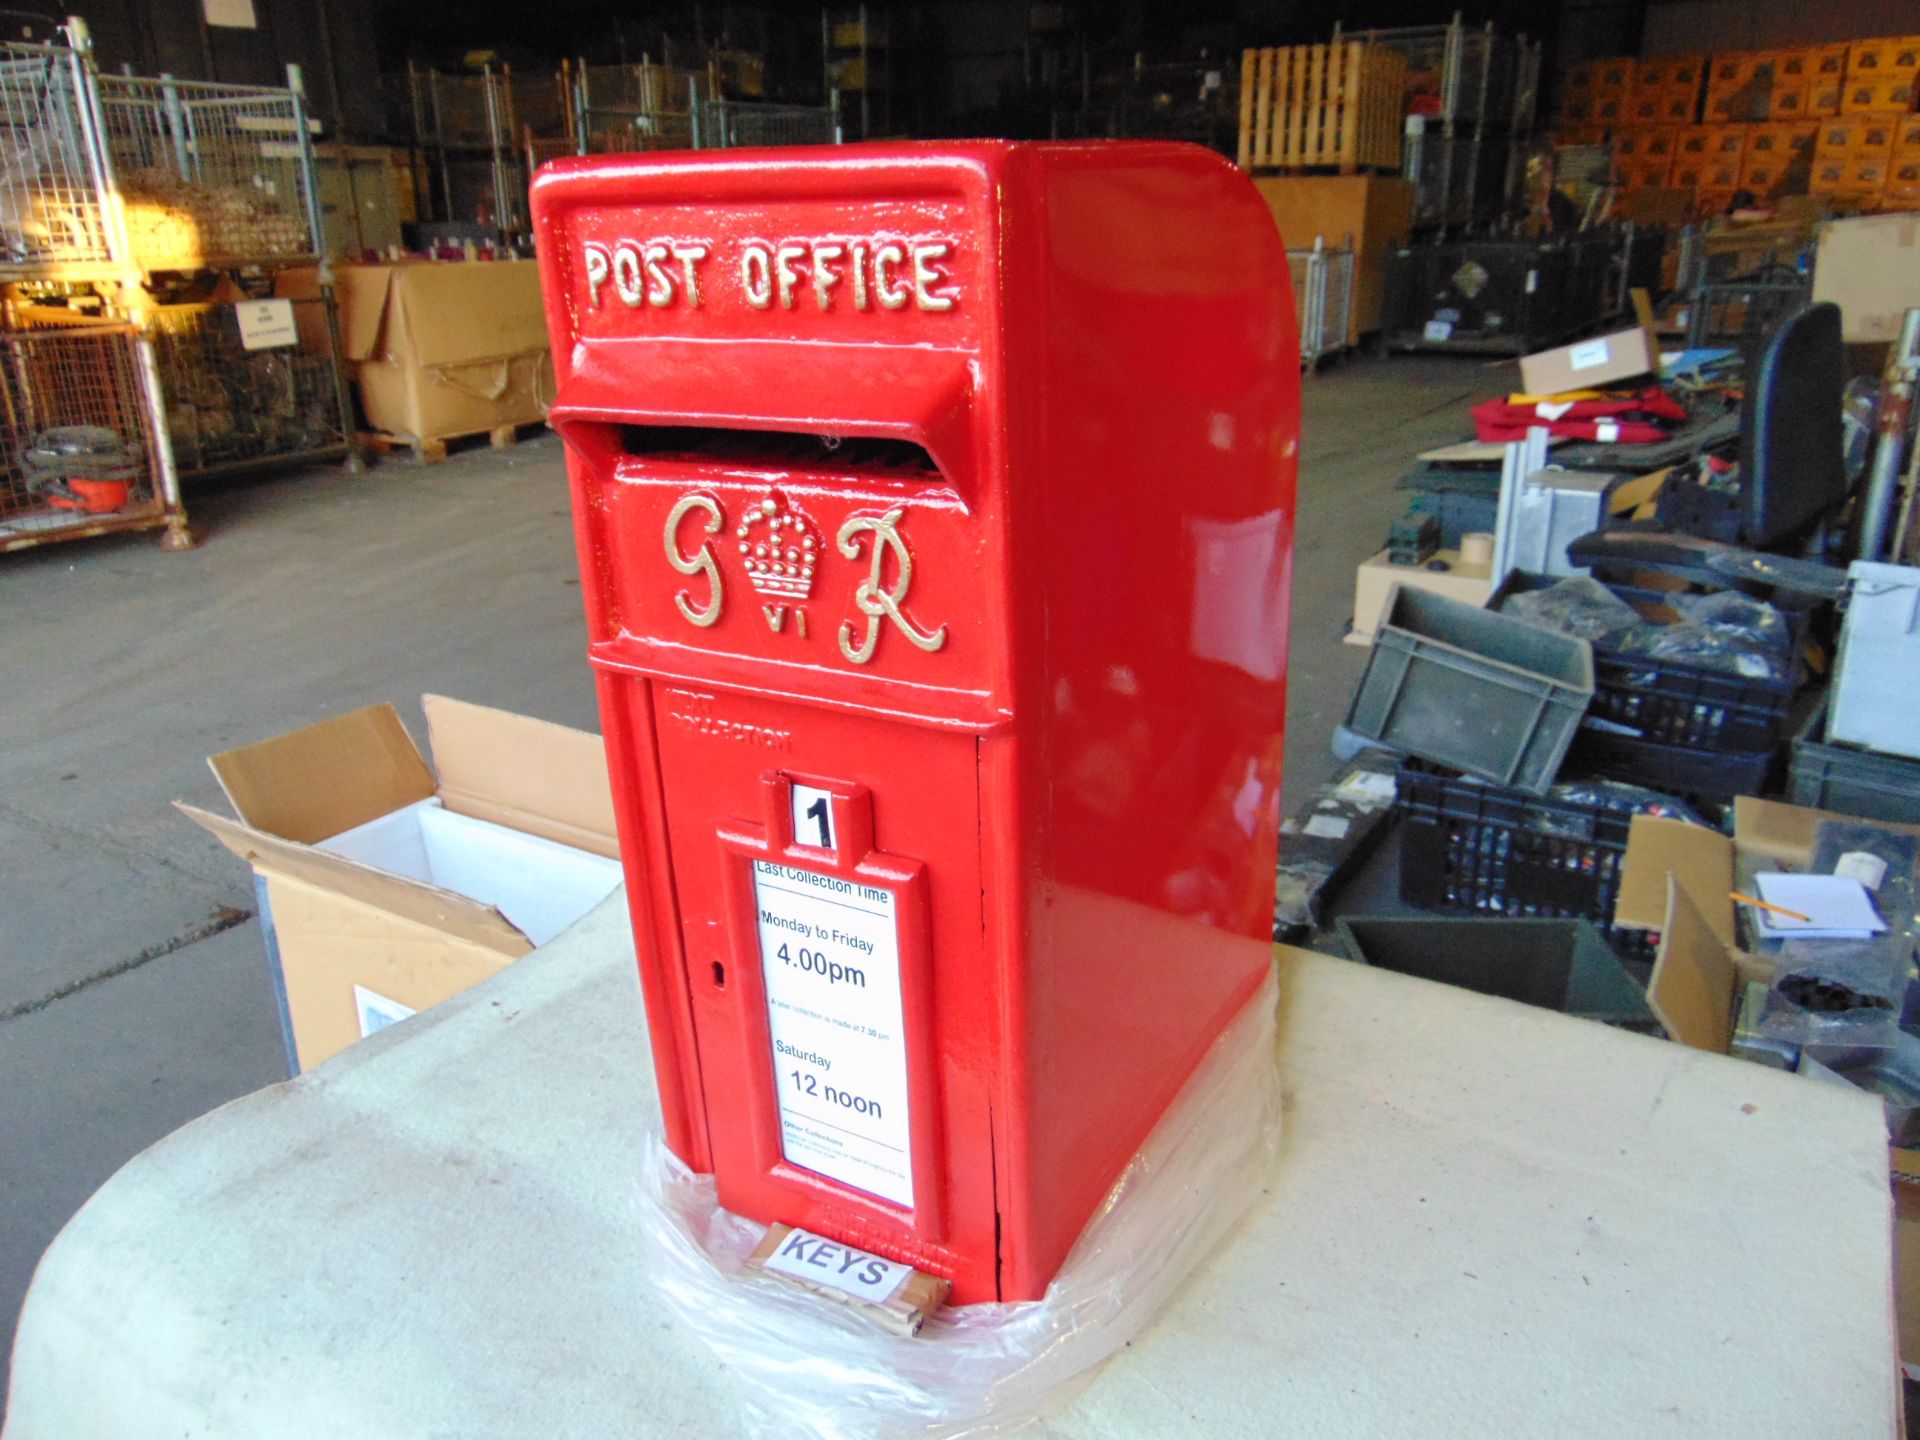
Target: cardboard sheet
x,y
1694,979
308,784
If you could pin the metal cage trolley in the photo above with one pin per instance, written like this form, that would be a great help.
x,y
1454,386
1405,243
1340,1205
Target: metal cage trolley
x,y
1322,299
222,214
83,441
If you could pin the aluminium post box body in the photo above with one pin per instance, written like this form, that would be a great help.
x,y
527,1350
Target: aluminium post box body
x,y
935,510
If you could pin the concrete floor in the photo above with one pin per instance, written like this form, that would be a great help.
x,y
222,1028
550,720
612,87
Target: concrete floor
x,y
133,992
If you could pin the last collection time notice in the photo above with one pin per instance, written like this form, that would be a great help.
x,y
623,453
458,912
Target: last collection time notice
x,y
830,955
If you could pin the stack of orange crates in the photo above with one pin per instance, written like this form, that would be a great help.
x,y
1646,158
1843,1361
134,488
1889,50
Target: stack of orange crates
x,y
1903,178
1836,120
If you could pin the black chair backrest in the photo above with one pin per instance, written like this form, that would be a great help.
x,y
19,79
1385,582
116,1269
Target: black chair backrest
x,y
1791,464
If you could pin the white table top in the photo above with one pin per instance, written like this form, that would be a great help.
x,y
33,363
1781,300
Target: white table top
x,y
1487,1220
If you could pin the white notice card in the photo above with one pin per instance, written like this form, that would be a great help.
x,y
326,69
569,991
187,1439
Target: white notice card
x,y
830,952
1836,907
266,324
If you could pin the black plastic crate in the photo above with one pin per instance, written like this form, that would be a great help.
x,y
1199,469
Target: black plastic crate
x,y
1675,702
1468,848
1698,771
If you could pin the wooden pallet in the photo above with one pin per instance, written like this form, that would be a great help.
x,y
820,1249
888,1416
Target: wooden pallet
x,y
1340,107
433,450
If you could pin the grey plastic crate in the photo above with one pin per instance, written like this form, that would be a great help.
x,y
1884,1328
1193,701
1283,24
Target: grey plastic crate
x,y
1472,689
1561,965
1849,781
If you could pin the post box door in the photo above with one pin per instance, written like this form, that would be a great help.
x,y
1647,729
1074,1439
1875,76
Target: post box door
x,y
828,878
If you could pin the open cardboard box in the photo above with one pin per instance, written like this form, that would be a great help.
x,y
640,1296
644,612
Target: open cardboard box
x,y
383,890
1679,879
445,348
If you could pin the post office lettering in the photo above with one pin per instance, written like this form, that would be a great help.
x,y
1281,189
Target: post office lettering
x,y
796,274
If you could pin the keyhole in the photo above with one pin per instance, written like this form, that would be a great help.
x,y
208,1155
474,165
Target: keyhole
x,y
719,976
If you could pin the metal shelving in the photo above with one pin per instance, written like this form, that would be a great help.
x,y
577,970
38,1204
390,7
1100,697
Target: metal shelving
x,y
81,448
83,441
1323,278
1473,93
117,193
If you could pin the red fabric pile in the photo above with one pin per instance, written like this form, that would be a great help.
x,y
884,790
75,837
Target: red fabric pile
x,y
1627,418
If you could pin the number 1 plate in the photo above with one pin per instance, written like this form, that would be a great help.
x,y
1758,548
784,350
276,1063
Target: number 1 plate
x,y
830,955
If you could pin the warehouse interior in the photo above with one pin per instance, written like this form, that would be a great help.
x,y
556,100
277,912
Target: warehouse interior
x,y
1421,564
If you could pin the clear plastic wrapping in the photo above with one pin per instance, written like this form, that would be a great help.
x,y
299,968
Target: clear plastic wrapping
x,y
802,1366
1724,631
1580,607
1632,799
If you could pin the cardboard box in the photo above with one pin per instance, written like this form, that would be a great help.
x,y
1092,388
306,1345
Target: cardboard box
x,y
1830,172
1375,579
1679,879
1586,363
1875,135
1375,212
1789,99
1648,173
1721,174
1870,268
1740,87
1681,105
1761,173
1780,141
1887,55
1868,174
1796,64
1708,203
1829,61
1893,92
444,348
1906,1254
1616,74
386,890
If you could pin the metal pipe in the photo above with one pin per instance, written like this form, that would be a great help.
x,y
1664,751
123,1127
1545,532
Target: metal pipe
x,y
1894,420
323,269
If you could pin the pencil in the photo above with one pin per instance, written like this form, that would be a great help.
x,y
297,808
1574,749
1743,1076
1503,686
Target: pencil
x,y
1764,905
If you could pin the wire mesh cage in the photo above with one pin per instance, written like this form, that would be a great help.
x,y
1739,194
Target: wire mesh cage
x,y
50,211
726,124
229,406
464,111
619,129
208,174
1192,100
77,446
1322,300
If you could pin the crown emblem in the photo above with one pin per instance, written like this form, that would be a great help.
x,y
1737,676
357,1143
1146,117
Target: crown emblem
x,y
779,548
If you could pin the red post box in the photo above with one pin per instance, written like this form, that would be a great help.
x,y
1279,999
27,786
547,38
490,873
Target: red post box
x,y
935,512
